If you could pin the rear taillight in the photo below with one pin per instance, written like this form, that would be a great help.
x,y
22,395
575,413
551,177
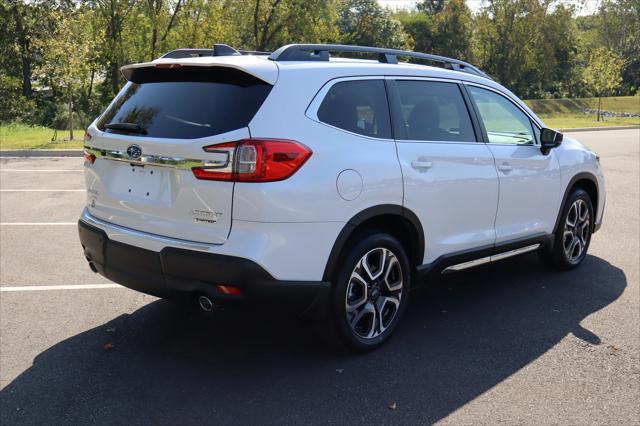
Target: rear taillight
x,y
255,160
88,157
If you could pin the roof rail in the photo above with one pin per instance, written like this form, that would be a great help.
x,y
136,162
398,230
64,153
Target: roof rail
x,y
320,52
218,50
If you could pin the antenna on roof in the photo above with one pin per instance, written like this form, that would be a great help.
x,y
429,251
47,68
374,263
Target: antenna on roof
x,y
224,50
218,50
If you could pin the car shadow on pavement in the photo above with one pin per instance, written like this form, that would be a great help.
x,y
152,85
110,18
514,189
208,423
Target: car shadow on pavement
x,y
169,365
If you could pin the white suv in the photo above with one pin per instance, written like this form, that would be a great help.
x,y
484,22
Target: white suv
x,y
332,185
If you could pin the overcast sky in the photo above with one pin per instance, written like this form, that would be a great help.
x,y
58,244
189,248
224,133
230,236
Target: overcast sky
x,y
584,7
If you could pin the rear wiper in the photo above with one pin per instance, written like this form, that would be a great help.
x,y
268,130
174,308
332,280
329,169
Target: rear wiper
x,y
127,127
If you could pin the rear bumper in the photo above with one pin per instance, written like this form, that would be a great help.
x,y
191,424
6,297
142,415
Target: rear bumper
x,y
174,272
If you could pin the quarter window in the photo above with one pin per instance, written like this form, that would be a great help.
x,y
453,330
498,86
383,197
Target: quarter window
x,y
358,106
433,111
504,122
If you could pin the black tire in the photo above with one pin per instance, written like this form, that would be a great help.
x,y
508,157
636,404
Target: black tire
x,y
379,299
564,254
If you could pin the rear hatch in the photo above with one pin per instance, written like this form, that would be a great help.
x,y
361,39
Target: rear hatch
x,y
141,151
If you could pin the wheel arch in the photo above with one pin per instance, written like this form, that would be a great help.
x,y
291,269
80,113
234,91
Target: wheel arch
x,y
394,219
589,183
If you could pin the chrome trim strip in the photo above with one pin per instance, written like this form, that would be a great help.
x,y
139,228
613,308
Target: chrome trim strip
x,y
467,265
490,259
88,218
515,252
160,161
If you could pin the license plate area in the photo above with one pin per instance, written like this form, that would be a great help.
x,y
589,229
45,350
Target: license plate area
x,y
142,183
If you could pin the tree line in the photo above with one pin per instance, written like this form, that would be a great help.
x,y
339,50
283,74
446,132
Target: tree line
x,y
60,59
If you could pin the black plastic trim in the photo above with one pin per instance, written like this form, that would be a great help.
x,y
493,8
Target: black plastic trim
x,y
567,193
424,272
478,126
370,213
397,120
174,272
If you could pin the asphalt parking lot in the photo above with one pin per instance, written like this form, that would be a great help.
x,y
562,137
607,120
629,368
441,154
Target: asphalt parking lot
x,y
514,342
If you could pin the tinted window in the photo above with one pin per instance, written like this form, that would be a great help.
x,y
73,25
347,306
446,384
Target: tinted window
x,y
504,122
186,103
433,111
359,107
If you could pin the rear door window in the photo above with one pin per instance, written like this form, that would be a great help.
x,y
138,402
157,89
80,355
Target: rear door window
x,y
433,111
358,106
184,103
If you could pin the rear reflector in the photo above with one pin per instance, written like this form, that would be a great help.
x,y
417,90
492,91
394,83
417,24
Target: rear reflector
x,y
256,160
229,290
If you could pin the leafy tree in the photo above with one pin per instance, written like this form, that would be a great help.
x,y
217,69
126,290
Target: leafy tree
x,y
528,45
113,17
617,26
365,22
538,48
12,104
22,25
603,74
446,32
267,24
161,15
65,57
202,23
431,7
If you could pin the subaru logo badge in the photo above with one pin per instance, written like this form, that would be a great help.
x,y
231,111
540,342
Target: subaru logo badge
x,y
134,152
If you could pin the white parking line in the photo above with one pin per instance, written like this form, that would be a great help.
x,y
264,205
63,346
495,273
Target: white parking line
x,y
36,223
41,171
59,287
14,157
42,190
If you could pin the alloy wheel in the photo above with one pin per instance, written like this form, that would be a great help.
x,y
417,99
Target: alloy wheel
x,y
373,293
576,230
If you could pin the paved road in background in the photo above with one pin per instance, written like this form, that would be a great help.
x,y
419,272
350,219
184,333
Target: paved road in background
x,y
513,342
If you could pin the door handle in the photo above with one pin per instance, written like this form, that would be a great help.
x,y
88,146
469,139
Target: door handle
x,y
421,164
505,167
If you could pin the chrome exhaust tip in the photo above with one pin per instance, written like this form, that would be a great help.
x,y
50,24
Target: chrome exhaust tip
x,y
92,265
205,303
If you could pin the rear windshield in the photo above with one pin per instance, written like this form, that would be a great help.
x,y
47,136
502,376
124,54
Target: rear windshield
x,y
184,103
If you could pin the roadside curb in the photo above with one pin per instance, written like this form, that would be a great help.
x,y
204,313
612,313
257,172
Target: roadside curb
x,y
41,153
597,129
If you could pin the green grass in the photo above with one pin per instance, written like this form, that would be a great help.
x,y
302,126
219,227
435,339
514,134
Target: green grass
x,y
568,106
573,121
568,113
20,136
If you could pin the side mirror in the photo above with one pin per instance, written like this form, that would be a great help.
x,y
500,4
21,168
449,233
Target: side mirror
x,y
549,139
